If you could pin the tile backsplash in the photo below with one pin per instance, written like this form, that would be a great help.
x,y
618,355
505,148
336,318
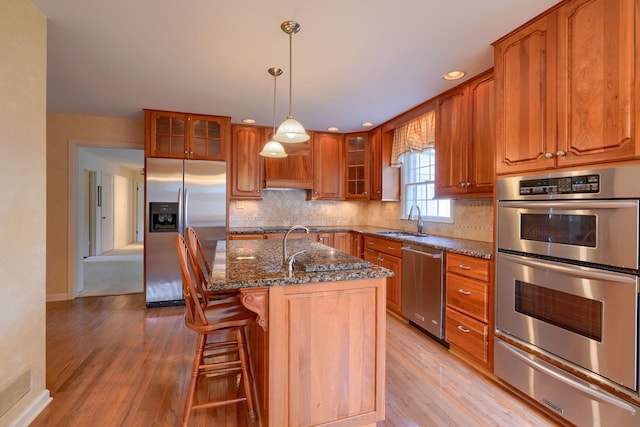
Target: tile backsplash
x,y
473,219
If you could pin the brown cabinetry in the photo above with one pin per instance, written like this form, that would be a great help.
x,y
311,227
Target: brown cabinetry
x,y
293,171
246,163
387,254
375,164
566,88
357,161
468,311
186,136
356,244
342,242
328,163
465,139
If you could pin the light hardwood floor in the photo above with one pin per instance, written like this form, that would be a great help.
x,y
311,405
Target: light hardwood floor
x,y
113,362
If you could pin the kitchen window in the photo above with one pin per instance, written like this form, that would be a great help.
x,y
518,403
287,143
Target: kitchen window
x,y
418,187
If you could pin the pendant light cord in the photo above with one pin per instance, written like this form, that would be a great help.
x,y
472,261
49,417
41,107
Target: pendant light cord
x,y
290,70
274,102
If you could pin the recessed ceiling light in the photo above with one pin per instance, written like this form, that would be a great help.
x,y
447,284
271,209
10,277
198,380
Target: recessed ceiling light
x,y
367,124
454,75
333,129
248,121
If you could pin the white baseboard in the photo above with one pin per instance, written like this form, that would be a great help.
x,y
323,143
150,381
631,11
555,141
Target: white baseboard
x,y
33,410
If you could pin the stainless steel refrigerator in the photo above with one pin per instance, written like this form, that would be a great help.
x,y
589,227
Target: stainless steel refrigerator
x,y
180,193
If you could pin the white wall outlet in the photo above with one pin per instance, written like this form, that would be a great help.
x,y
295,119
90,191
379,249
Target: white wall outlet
x,y
239,204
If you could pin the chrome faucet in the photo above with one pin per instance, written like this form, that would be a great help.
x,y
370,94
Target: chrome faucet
x,y
290,261
420,223
285,260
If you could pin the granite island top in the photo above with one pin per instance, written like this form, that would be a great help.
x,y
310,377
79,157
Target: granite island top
x,y
255,263
461,246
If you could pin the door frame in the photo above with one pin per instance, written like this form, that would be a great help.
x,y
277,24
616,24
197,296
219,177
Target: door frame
x,y
75,184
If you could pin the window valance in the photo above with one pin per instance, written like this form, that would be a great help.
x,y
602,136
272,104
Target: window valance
x,y
418,134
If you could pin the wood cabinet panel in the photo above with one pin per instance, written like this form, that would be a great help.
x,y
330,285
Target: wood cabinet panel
x,y
245,236
468,296
319,334
597,91
525,70
357,166
356,244
481,158
475,268
387,254
375,169
451,139
342,242
468,335
293,171
390,247
328,162
246,163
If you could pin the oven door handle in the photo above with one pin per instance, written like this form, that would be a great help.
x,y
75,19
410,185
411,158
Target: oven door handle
x,y
572,270
598,395
573,205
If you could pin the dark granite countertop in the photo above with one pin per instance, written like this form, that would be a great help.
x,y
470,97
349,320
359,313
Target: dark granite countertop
x,y
461,246
255,263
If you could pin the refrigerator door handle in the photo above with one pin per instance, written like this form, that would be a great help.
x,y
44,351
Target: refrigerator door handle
x,y
186,205
180,211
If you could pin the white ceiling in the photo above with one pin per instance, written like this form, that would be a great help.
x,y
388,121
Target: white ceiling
x,y
353,60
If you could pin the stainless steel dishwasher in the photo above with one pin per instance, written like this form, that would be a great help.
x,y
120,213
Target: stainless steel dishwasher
x,y
423,289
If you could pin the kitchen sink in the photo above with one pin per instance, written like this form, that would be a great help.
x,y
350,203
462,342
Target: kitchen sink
x,y
398,234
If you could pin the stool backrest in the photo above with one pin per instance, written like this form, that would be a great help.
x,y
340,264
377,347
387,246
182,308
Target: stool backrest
x,y
194,312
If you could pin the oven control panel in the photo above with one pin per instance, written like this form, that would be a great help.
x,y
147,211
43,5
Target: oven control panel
x,y
564,185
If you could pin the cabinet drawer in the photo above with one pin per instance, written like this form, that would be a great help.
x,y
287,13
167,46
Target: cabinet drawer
x,y
390,247
467,334
468,296
476,268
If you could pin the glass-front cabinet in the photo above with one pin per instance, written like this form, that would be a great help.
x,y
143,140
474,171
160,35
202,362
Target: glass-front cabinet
x,y
357,166
186,136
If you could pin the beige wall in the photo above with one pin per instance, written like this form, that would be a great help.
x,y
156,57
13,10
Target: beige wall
x,y
63,131
23,49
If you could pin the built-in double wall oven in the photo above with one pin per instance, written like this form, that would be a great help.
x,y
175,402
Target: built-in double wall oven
x,y
567,292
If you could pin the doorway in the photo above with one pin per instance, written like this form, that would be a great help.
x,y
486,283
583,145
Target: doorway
x,y
107,255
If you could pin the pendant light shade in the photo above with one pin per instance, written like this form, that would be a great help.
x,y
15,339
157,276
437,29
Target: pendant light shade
x,y
274,148
291,130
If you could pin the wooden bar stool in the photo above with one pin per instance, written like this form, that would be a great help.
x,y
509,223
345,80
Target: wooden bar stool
x,y
221,328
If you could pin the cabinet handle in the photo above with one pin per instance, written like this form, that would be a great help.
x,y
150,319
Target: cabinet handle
x,y
560,153
463,329
468,184
463,184
463,292
370,243
464,267
381,259
186,152
548,155
391,248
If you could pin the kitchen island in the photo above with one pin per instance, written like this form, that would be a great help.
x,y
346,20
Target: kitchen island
x,y
318,347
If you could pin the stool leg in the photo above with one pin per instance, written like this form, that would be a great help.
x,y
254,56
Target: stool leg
x,y
245,364
193,384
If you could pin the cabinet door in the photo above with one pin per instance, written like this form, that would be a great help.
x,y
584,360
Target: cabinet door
x,y
452,134
209,136
375,164
166,134
342,242
357,166
597,91
246,169
327,167
394,289
480,150
325,239
356,244
525,70
293,171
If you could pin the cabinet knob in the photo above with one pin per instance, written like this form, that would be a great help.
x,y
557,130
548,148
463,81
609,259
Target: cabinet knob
x,y
365,193
560,153
463,329
548,155
186,152
468,184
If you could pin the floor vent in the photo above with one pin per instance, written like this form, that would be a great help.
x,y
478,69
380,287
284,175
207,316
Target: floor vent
x,y
14,391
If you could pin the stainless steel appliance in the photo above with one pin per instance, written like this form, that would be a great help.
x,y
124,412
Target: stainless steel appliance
x,y
180,193
423,289
567,292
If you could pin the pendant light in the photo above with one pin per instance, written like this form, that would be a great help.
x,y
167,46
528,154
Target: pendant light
x,y
290,131
274,148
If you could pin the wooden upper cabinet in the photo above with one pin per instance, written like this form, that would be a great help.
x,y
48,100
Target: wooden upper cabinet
x,y
525,69
465,139
566,88
375,164
246,163
357,160
328,183
186,136
597,88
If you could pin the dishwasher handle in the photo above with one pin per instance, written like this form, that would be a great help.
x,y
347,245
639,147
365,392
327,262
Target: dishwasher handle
x,y
429,254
